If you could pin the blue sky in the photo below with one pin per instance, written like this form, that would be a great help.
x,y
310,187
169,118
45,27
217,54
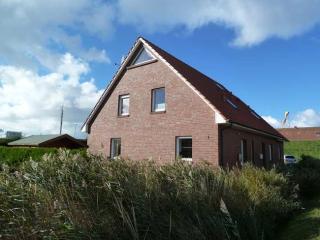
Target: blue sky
x,y
60,53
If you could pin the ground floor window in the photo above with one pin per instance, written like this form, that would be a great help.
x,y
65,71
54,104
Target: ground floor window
x,y
243,151
115,150
184,148
270,152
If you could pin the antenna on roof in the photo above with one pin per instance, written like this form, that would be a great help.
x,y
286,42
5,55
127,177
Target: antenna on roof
x,y
61,119
285,120
122,59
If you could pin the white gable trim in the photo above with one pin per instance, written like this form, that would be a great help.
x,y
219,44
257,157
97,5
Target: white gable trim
x,y
122,67
219,118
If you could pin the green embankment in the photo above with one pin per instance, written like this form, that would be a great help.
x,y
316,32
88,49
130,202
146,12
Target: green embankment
x,y
299,148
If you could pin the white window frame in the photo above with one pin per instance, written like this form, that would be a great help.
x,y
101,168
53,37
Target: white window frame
x,y
153,103
112,152
138,55
178,146
120,105
270,152
241,155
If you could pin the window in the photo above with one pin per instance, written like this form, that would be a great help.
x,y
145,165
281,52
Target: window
x,y
243,152
232,104
252,152
270,151
143,56
115,150
124,102
158,100
184,148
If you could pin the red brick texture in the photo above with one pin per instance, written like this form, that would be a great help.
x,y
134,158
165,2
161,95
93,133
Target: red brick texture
x,y
147,135
230,143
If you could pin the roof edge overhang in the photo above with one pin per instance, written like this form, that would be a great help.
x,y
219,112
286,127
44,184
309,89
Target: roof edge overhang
x,y
85,126
246,128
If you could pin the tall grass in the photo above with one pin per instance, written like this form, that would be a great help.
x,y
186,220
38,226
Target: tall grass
x,y
68,196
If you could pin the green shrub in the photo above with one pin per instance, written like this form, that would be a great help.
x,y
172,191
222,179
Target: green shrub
x,y
306,174
13,156
72,197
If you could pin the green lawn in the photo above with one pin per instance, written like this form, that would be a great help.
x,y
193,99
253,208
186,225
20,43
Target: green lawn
x,y
306,225
298,148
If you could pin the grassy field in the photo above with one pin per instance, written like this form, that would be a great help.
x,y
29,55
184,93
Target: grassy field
x,y
298,148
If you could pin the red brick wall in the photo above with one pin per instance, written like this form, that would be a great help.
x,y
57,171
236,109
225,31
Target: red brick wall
x,y
301,134
146,135
231,144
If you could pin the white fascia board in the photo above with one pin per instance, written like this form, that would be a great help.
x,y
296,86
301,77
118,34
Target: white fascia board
x,y
122,67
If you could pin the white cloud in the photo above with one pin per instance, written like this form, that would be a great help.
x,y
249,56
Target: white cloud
x,y
31,102
306,118
34,30
272,121
253,20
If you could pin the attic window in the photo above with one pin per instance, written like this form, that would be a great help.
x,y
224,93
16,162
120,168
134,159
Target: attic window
x,y
143,56
254,114
232,104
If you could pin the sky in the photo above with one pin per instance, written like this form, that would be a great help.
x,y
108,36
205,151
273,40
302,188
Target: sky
x,y
58,52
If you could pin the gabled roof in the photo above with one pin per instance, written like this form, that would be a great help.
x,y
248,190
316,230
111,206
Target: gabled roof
x,y
37,140
217,96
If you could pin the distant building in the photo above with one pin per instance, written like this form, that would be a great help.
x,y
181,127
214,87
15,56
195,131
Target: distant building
x,y
53,140
13,135
301,134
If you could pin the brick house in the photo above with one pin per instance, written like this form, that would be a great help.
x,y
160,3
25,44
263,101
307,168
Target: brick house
x,y
158,107
301,133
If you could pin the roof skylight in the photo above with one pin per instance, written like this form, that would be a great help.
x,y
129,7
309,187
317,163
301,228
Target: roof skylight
x,y
255,114
220,86
232,104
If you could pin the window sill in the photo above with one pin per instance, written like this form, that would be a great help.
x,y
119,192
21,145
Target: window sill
x,y
187,159
158,112
142,64
123,116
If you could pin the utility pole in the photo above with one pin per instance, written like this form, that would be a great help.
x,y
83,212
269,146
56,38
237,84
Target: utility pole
x,y
61,119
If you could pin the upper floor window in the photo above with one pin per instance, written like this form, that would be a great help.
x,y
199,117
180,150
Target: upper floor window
x,y
124,103
158,100
143,56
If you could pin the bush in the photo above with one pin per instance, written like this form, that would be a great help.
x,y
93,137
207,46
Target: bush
x,y
13,156
73,197
306,174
